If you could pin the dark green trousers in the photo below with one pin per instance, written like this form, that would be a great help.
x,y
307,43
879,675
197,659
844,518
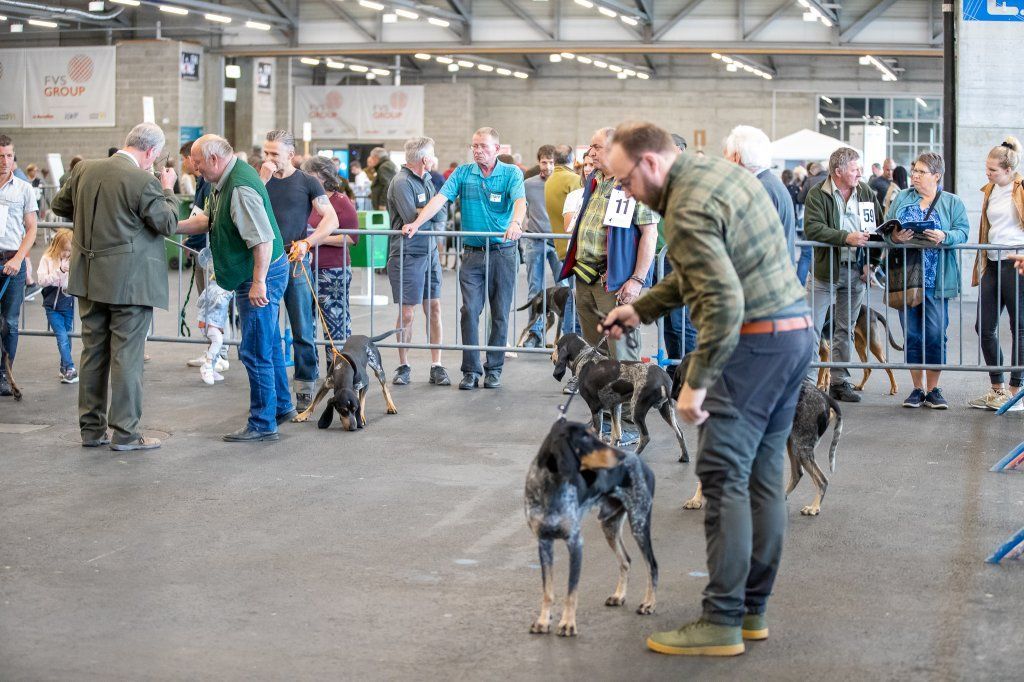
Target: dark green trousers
x,y
113,353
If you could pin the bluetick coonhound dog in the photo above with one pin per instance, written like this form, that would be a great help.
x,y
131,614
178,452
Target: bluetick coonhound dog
x,y
574,471
553,300
606,384
350,382
815,410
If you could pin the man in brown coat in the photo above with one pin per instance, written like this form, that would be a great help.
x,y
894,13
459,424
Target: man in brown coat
x,y
118,272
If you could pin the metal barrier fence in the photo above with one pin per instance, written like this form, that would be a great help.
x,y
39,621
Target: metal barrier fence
x,y
841,305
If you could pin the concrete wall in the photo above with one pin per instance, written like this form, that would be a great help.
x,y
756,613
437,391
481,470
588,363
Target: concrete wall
x,y
144,68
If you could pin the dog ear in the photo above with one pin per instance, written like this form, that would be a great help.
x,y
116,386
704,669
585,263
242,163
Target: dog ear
x,y
328,416
600,458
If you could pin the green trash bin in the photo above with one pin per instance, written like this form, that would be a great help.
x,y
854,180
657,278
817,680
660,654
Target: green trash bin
x,y
371,252
174,252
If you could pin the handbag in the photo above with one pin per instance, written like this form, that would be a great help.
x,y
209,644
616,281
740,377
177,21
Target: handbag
x,y
904,270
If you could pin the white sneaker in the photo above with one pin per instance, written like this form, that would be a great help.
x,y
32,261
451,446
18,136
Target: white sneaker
x,y
197,362
217,376
222,365
207,374
984,402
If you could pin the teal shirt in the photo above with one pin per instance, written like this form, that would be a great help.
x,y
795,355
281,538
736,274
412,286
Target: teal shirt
x,y
951,214
487,203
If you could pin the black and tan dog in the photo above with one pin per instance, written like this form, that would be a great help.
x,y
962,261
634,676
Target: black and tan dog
x,y
606,384
350,382
574,471
860,342
551,302
815,410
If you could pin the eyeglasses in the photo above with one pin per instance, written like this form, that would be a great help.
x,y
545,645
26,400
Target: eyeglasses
x,y
918,171
625,181
480,147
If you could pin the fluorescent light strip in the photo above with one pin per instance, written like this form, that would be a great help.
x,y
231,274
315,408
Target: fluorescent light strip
x,y
406,14
466,64
217,18
258,25
359,68
422,56
331,64
173,9
309,61
607,12
129,3
438,22
42,23
369,4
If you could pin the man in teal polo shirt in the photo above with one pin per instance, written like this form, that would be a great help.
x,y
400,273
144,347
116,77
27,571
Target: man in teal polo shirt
x,y
493,200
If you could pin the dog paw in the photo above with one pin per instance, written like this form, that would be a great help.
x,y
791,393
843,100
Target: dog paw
x,y
893,391
810,510
392,411
539,628
693,504
567,630
615,600
645,609
685,457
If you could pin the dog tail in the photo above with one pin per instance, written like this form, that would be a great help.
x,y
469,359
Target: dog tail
x,y
381,337
531,301
836,433
888,331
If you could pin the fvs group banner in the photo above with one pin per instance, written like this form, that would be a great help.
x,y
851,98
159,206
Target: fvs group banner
x,y
360,112
70,87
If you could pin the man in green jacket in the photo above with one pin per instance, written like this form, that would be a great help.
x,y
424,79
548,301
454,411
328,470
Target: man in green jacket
x,y
384,171
841,211
119,274
730,264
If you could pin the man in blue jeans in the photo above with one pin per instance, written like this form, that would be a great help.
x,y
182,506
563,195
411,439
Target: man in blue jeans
x,y
293,196
539,253
248,257
493,200
731,264
17,235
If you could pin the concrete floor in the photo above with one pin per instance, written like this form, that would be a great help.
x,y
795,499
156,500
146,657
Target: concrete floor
x,y
401,551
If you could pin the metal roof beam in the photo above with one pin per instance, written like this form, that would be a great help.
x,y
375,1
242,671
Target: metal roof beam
x,y
225,10
779,11
680,15
528,18
868,17
351,20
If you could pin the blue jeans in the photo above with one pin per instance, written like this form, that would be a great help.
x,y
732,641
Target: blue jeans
x,y
62,322
740,464
261,351
925,328
10,309
538,253
498,267
803,266
298,301
679,334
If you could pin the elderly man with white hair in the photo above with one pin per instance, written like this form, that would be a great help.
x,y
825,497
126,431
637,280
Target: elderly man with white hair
x,y
249,259
121,214
750,147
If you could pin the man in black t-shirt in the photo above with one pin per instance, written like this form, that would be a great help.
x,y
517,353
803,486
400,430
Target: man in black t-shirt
x,y
293,194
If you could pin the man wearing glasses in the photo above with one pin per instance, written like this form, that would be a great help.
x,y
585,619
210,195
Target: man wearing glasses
x,y
493,200
612,248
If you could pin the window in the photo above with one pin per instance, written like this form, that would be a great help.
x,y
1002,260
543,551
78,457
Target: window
x,y
915,123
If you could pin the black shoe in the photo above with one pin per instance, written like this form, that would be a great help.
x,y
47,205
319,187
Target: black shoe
x,y
302,401
572,386
247,435
492,380
286,417
403,373
532,341
469,381
439,376
844,392
5,385
935,400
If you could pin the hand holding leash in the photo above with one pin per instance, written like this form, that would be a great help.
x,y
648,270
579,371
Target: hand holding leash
x,y
619,323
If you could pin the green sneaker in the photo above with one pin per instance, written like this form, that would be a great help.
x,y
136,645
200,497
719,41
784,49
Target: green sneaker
x,y
699,638
755,627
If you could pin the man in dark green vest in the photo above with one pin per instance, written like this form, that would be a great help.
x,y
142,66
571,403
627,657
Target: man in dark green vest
x,y
119,274
248,258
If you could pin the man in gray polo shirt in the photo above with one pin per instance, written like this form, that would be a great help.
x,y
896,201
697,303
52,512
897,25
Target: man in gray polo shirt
x,y
539,252
414,266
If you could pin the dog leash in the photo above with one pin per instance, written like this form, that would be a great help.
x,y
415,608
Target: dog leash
x,y
316,299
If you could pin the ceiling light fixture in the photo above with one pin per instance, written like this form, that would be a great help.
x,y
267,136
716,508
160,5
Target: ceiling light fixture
x,y
502,71
359,68
466,64
485,67
445,60
42,23
369,4
389,18
585,3
453,67
217,18
258,25
629,21
555,58
381,72
584,60
607,12
232,71
309,61
173,9
521,75
406,14
423,56
17,28
438,22
331,64
129,3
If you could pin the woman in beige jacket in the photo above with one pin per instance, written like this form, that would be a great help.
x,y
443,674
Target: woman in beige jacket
x,y
1002,223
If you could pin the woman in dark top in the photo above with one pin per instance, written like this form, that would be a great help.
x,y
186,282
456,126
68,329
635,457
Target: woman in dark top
x,y
333,260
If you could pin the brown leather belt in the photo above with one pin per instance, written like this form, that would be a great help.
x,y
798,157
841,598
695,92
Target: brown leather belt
x,y
786,324
7,255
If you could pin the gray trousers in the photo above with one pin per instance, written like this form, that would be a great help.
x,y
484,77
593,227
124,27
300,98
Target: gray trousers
x,y
848,294
740,463
113,353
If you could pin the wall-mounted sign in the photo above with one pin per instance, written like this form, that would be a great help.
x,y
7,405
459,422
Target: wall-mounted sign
x,y
994,10
189,134
264,76
12,84
70,87
190,66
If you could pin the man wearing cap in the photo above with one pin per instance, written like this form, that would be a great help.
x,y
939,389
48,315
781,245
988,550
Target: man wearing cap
x,y
755,337
611,252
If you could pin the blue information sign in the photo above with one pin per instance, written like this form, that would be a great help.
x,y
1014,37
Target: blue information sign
x,y
993,10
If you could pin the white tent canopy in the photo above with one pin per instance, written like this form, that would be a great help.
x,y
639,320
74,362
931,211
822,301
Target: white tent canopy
x,y
805,145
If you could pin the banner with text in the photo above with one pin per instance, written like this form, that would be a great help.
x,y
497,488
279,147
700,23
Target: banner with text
x,y
360,112
12,84
70,87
